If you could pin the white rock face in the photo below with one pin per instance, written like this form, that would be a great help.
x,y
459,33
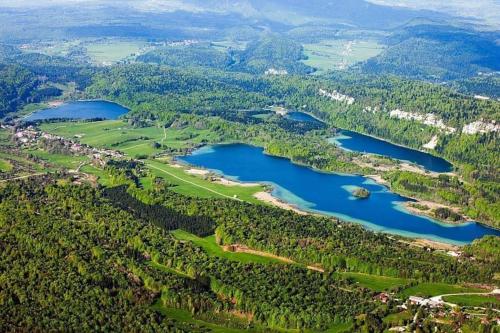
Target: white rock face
x,y
428,119
336,96
432,144
370,109
483,98
274,71
480,127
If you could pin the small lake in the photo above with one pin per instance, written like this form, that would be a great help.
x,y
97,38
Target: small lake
x,y
357,142
80,110
301,116
330,194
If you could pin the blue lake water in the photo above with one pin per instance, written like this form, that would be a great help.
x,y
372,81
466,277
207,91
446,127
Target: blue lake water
x,y
80,110
301,116
353,141
330,194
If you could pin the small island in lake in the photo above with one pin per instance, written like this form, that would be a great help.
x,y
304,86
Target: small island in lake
x,y
361,193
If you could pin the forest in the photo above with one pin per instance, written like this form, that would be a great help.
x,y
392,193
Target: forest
x,y
119,273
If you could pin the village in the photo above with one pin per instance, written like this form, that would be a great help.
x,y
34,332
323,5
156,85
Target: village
x,y
30,137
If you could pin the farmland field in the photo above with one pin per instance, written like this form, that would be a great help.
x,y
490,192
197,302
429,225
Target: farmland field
x,y
111,51
473,300
376,282
117,135
435,289
339,54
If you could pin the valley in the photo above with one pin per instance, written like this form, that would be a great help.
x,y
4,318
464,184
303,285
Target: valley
x,y
249,166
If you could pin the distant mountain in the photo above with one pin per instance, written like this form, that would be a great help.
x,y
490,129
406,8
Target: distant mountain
x,y
437,52
353,12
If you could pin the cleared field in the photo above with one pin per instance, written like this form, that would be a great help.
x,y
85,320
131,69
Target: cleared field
x,y
435,289
230,44
66,161
473,300
398,318
195,186
111,51
210,246
118,135
5,165
339,54
185,316
376,282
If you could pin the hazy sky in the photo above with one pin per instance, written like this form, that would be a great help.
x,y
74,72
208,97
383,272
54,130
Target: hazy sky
x,y
487,11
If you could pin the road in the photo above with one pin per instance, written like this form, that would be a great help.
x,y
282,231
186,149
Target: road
x,y
22,177
191,183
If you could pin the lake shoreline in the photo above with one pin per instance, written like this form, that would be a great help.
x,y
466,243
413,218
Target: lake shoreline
x,y
377,178
269,198
396,144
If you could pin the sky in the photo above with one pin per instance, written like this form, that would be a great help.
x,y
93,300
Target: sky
x,y
486,11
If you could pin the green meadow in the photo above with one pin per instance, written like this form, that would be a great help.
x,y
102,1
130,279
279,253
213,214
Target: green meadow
x,y
434,289
132,141
474,300
213,249
111,51
376,282
5,165
339,54
196,186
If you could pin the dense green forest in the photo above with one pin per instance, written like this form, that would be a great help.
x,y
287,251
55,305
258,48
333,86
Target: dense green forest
x,y
434,52
16,87
115,273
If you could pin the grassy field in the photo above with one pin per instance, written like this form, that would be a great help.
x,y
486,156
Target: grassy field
x,y
66,161
111,51
339,54
375,282
210,246
397,318
193,185
118,135
435,289
473,300
5,165
225,45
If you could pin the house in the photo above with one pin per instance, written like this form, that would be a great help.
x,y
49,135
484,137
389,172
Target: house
x,y
382,297
424,302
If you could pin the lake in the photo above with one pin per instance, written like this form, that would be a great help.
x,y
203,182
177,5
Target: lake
x,y
301,116
353,141
330,194
80,110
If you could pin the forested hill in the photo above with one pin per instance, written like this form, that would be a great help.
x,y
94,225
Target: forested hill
x,y
16,87
437,53
69,266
